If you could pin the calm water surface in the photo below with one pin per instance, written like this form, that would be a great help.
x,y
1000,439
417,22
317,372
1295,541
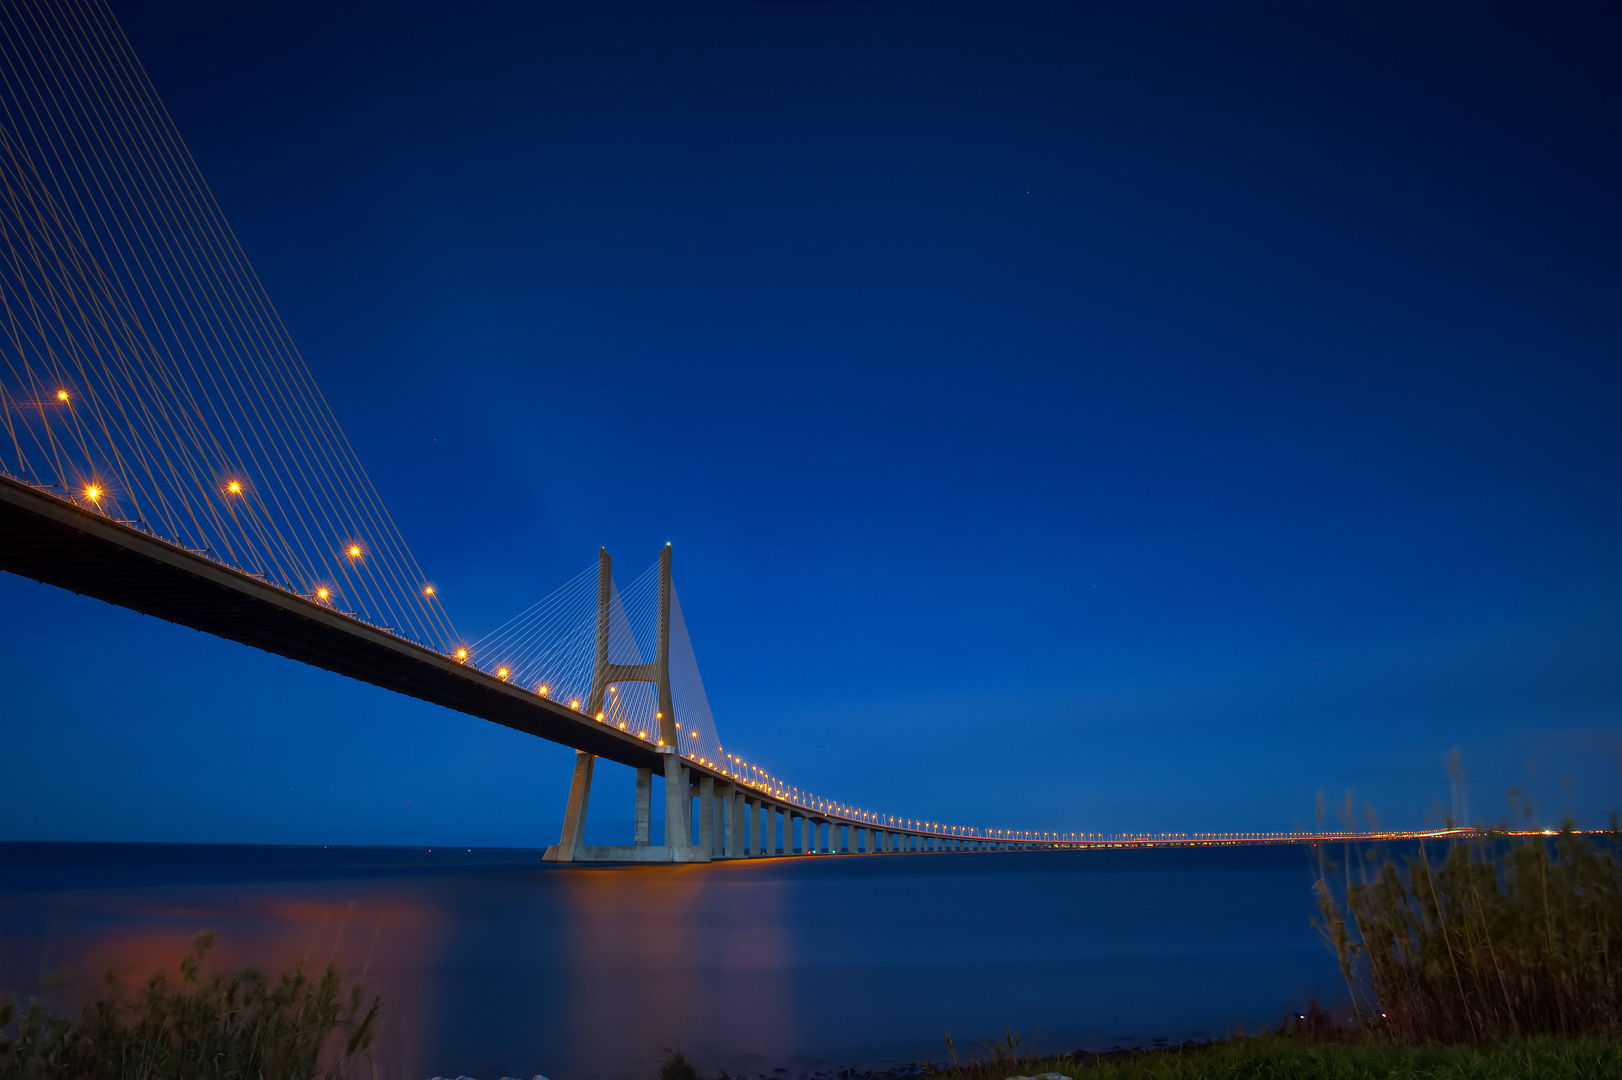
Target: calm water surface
x,y
492,963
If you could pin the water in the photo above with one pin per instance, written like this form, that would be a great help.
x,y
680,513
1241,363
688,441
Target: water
x,y
492,963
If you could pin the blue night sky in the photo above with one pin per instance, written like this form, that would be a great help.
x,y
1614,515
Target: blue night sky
x,y
1078,416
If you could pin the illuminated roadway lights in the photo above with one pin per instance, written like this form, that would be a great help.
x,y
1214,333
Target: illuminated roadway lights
x,y
323,594
461,656
62,396
93,493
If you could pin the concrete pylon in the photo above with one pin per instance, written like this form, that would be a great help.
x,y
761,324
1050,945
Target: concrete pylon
x,y
678,845
604,673
569,845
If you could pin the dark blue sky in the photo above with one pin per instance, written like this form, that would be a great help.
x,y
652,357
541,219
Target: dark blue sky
x,y
1083,416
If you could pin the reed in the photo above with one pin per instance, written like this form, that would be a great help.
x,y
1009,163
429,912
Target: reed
x,y
201,1028
1483,938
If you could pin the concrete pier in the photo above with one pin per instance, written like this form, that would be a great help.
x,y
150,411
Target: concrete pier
x,y
737,812
644,807
706,816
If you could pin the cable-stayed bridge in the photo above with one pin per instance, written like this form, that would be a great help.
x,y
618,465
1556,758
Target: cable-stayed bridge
x,y
164,447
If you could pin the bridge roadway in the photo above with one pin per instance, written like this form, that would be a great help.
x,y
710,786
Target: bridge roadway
x,y
55,541
52,540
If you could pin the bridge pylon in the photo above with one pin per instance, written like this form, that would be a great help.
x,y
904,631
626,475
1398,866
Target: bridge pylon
x,y
678,846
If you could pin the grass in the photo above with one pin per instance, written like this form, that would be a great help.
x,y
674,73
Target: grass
x,y
1484,939
201,1028
1487,957
1281,1057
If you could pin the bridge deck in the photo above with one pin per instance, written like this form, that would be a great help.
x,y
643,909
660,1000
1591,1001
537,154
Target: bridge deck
x,y
54,541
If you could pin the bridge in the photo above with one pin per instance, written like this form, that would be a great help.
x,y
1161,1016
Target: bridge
x,y
165,448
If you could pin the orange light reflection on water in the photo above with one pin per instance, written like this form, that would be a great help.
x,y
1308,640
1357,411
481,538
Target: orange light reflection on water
x,y
104,939
656,948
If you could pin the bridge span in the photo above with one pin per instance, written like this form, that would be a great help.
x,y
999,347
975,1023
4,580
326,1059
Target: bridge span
x,y
55,540
165,448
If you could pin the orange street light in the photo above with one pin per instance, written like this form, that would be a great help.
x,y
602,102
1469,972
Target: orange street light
x,y
93,493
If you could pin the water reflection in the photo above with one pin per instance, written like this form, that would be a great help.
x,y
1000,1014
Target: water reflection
x,y
691,957
493,964
65,946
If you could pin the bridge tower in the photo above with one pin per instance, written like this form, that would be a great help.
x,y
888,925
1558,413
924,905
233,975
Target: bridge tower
x,y
678,846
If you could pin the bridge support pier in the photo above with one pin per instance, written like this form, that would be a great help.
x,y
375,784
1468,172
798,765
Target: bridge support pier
x,y
569,845
678,808
644,807
706,817
738,811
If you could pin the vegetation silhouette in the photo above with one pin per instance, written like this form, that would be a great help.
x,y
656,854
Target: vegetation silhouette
x,y
201,1028
1481,938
